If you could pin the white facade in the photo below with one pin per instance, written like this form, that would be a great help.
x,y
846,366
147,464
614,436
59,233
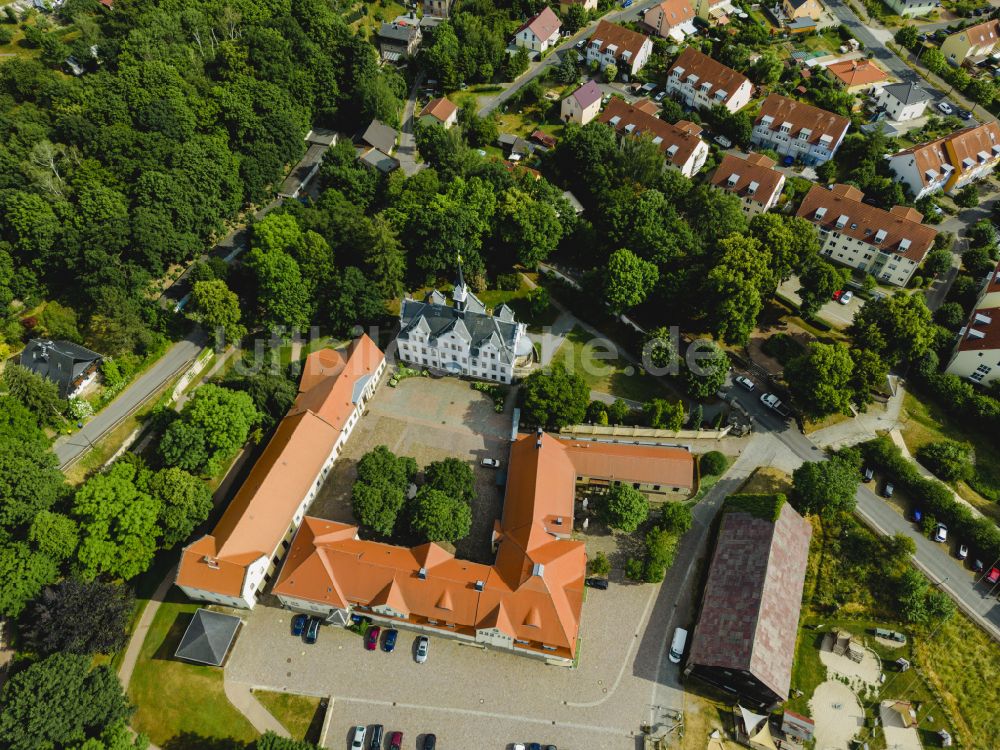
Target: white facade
x,y
768,134
694,162
526,38
625,60
897,110
571,111
981,367
912,7
696,93
888,268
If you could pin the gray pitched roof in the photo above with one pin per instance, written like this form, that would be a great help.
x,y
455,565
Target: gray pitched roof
x,y
60,361
435,319
380,161
208,637
907,93
381,136
397,31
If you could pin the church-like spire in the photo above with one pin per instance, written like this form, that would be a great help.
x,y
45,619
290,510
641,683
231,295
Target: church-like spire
x,y
461,291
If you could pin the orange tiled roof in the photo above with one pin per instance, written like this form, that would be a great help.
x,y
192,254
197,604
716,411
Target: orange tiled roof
x,y
440,109
260,514
802,116
982,333
954,151
857,72
721,77
982,34
683,135
622,38
676,12
754,168
646,464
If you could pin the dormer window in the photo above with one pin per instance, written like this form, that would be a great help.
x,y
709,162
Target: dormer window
x,y
880,236
672,151
706,86
721,95
767,121
615,120
820,213
677,72
826,140
842,221
692,79
983,157
657,140
968,163
630,127
733,179
904,245
752,188
786,127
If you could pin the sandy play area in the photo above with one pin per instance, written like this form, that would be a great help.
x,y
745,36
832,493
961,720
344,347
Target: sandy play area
x,y
863,673
897,735
837,714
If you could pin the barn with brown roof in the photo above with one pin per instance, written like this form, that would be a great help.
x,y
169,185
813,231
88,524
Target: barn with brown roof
x,y
744,642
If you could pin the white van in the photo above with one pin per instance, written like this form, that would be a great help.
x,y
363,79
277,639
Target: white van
x,y
677,645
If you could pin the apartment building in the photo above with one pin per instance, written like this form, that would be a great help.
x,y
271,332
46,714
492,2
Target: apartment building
x,y
912,7
799,130
889,245
681,143
949,163
753,179
611,44
977,354
232,565
975,41
701,82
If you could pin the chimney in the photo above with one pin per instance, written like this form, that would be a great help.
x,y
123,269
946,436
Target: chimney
x,y
480,585
422,574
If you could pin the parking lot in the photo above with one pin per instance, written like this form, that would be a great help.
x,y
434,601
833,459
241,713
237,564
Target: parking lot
x,y
833,312
466,695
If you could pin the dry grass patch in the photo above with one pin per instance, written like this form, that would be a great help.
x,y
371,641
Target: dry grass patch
x,y
301,715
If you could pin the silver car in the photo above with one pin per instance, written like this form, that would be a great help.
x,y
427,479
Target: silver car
x,y
358,743
423,643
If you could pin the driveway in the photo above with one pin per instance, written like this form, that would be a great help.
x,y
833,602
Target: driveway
x,y
833,312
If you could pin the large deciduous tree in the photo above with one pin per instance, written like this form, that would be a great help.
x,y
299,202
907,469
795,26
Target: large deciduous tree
x,y
735,287
623,507
706,373
555,397
185,501
898,327
79,617
819,281
211,428
440,517
825,487
820,379
23,572
453,477
218,309
628,279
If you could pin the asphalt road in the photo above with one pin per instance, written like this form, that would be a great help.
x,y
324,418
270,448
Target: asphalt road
x,y
69,448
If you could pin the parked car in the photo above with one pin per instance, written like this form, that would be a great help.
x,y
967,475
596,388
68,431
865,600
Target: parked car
x,y
921,37
597,583
375,738
723,141
493,463
888,489
946,108
389,642
918,515
430,741
517,746
581,44
993,576
535,746
358,743
846,297
869,474
940,533
299,623
371,637
627,3
396,741
774,403
745,382
837,295
964,114
963,551
423,643
312,630
659,97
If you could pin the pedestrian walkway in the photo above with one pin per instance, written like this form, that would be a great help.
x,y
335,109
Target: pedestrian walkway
x,y
897,438
142,628
865,426
242,698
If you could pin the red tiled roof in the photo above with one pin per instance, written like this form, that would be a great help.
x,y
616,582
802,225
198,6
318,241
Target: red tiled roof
x,y
622,38
754,168
440,109
683,135
802,116
587,94
903,233
857,72
722,78
676,12
982,333
646,464
953,150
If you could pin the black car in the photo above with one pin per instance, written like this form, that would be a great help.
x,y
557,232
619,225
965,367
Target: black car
x,y
375,737
312,631
964,114
597,583
299,624
430,742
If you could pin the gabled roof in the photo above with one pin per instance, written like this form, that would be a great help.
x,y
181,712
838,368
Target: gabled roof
x,y
62,362
440,109
981,34
841,208
587,94
208,637
676,12
624,40
982,332
959,152
752,177
907,93
750,614
435,318
381,136
857,72
543,25
679,140
691,62
399,31
777,110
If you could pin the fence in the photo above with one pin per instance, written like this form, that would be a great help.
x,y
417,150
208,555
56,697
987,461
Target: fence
x,y
620,432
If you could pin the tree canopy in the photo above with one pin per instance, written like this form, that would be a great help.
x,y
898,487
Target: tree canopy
x,y
79,617
555,397
623,507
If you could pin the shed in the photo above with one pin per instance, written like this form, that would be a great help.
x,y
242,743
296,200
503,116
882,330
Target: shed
x,y
208,637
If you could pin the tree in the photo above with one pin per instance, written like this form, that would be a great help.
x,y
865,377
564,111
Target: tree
x,y
185,501
53,535
937,262
555,397
610,72
118,524
58,322
628,279
212,426
660,348
377,505
911,595
384,259
24,573
869,376
950,460
793,242
600,565
60,701
677,518
899,328
30,481
820,379
978,261
439,517
282,297
619,411
597,412
968,196
712,464
661,547
623,508
950,315
664,415
576,18
706,374
37,393
453,477
353,300
907,36
819,281
516,64
218,308
825,487
79,617
527,229
981,91
734,288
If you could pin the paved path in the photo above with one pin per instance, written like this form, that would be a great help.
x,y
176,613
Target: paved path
x,y
69,448
897,438
242,698
406,153
142,628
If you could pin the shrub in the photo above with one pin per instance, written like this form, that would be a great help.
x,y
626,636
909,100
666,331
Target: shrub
x,y
600,565
634,569
947,459
509,282
712,463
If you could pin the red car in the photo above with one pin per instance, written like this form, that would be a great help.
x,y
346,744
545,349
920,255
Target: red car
x,y
838,294
994,576
396,741
371,637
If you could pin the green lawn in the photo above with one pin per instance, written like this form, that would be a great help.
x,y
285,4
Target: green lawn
x,y
179,703
376,13
925,422
605,372
301,715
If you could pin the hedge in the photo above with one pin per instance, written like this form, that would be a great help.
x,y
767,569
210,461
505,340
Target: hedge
x,y
766,507
935,499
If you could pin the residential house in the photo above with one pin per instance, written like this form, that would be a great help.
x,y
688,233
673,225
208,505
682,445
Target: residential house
x,y
744,640
437,8
912,7
379,141
715,12
857,75
974,41
232,565
540,32
583,105
611,44
399,39
528,601
587,5
977,354
902,101
753,179
797,9
681,144
889,245
799,130
441,111
70,366
671,19
463,339
701,82
949,163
